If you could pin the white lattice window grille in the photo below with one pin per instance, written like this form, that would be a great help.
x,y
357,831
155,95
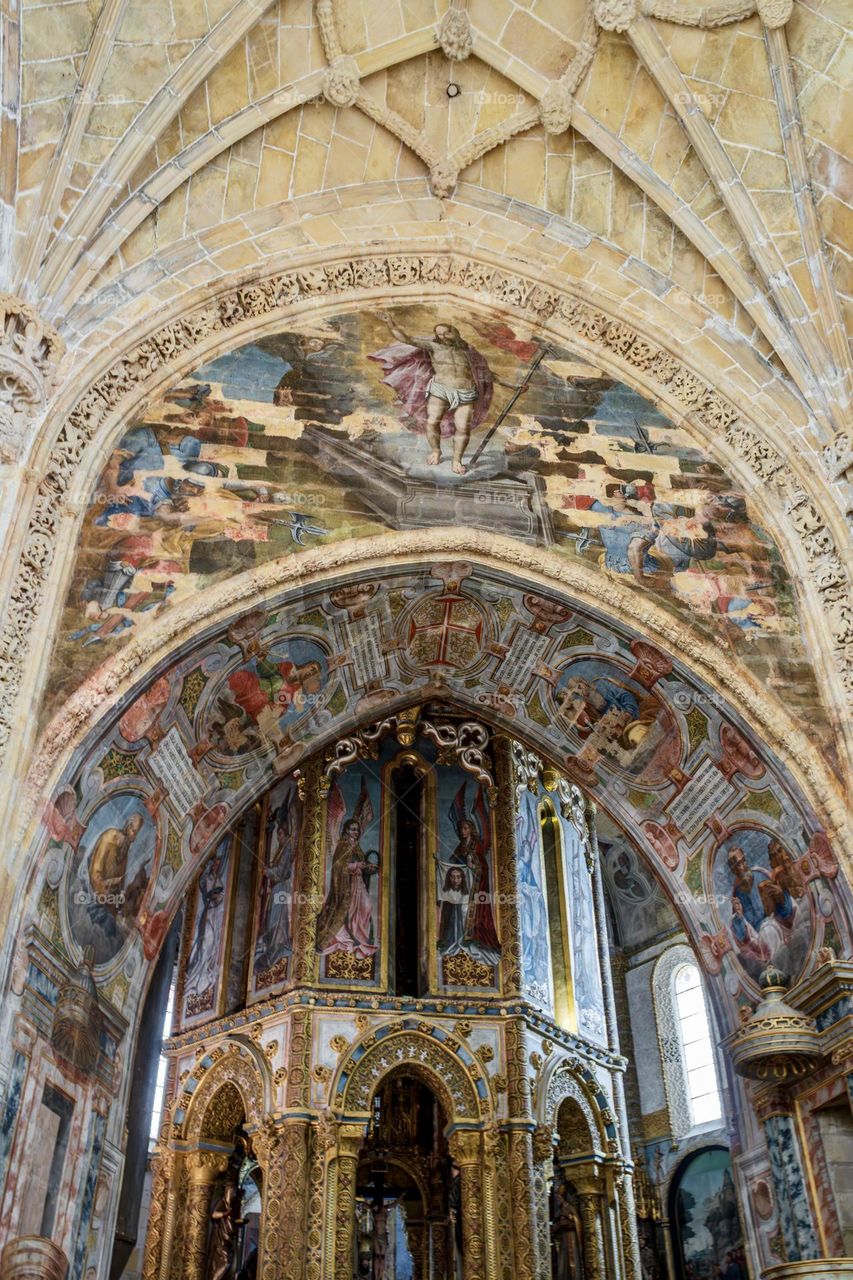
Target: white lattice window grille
x,y
697,1051
684,1036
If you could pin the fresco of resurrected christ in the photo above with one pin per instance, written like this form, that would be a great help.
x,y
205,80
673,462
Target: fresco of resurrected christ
x,y
443,384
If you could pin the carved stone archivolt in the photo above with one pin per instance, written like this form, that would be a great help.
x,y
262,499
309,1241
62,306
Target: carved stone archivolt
x,y
444,1063
214,1091
209,325
30,351
565,1083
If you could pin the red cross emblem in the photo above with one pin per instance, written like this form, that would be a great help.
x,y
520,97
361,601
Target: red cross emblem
x,y
445,631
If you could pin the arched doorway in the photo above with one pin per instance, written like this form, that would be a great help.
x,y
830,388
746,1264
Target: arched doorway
x,y
407,1205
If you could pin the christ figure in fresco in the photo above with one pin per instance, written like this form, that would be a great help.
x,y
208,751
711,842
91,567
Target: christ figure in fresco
x,y
443,384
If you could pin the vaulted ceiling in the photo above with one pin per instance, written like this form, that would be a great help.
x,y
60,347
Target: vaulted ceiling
x,y
192,138
684,167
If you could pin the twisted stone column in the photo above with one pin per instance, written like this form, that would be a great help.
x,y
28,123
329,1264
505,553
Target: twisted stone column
x,y
350,1138
466,1153
204,1168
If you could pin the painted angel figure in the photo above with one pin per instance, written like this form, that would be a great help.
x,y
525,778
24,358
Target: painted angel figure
x,y
345,922
443,384
466,919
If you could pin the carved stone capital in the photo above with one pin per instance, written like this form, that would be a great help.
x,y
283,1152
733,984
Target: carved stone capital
x,y
30,350
205,1166
464,1147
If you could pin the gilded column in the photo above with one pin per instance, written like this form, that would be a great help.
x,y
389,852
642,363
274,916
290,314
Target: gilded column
x,y
438,1228
350,1138
161,1219
282,1151
495,1142
309,897
466,1153
593,1234
524,1216
543,1177
204,1168
625,1203
417,1234
323,1139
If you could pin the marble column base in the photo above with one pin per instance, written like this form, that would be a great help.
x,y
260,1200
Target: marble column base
x,y
814,1269
33,1258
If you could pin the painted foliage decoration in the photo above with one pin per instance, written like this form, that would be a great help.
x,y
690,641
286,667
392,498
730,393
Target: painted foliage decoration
x,y
407,419
237,710
272,926
206,937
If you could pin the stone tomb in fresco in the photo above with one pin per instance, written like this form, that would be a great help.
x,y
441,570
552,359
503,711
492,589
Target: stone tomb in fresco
x,y
690,801
416,418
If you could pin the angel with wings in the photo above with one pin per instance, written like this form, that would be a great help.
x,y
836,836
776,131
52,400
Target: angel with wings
x,y
345,922
466,919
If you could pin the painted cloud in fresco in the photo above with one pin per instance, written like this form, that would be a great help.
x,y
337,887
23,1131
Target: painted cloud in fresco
x,y
300,439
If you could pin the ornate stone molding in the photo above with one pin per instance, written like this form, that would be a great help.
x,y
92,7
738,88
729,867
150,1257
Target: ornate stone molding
x,y
423,1051
239,308
465,744
30,350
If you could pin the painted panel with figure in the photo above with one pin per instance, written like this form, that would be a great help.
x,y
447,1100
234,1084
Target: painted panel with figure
x,y
683,774
206,938
350,923
586,969
419,417
114,862
533,905
467,941
708,1237
272,931
772,896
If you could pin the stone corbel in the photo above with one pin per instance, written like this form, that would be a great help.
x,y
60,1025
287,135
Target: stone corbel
x,y
30,351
